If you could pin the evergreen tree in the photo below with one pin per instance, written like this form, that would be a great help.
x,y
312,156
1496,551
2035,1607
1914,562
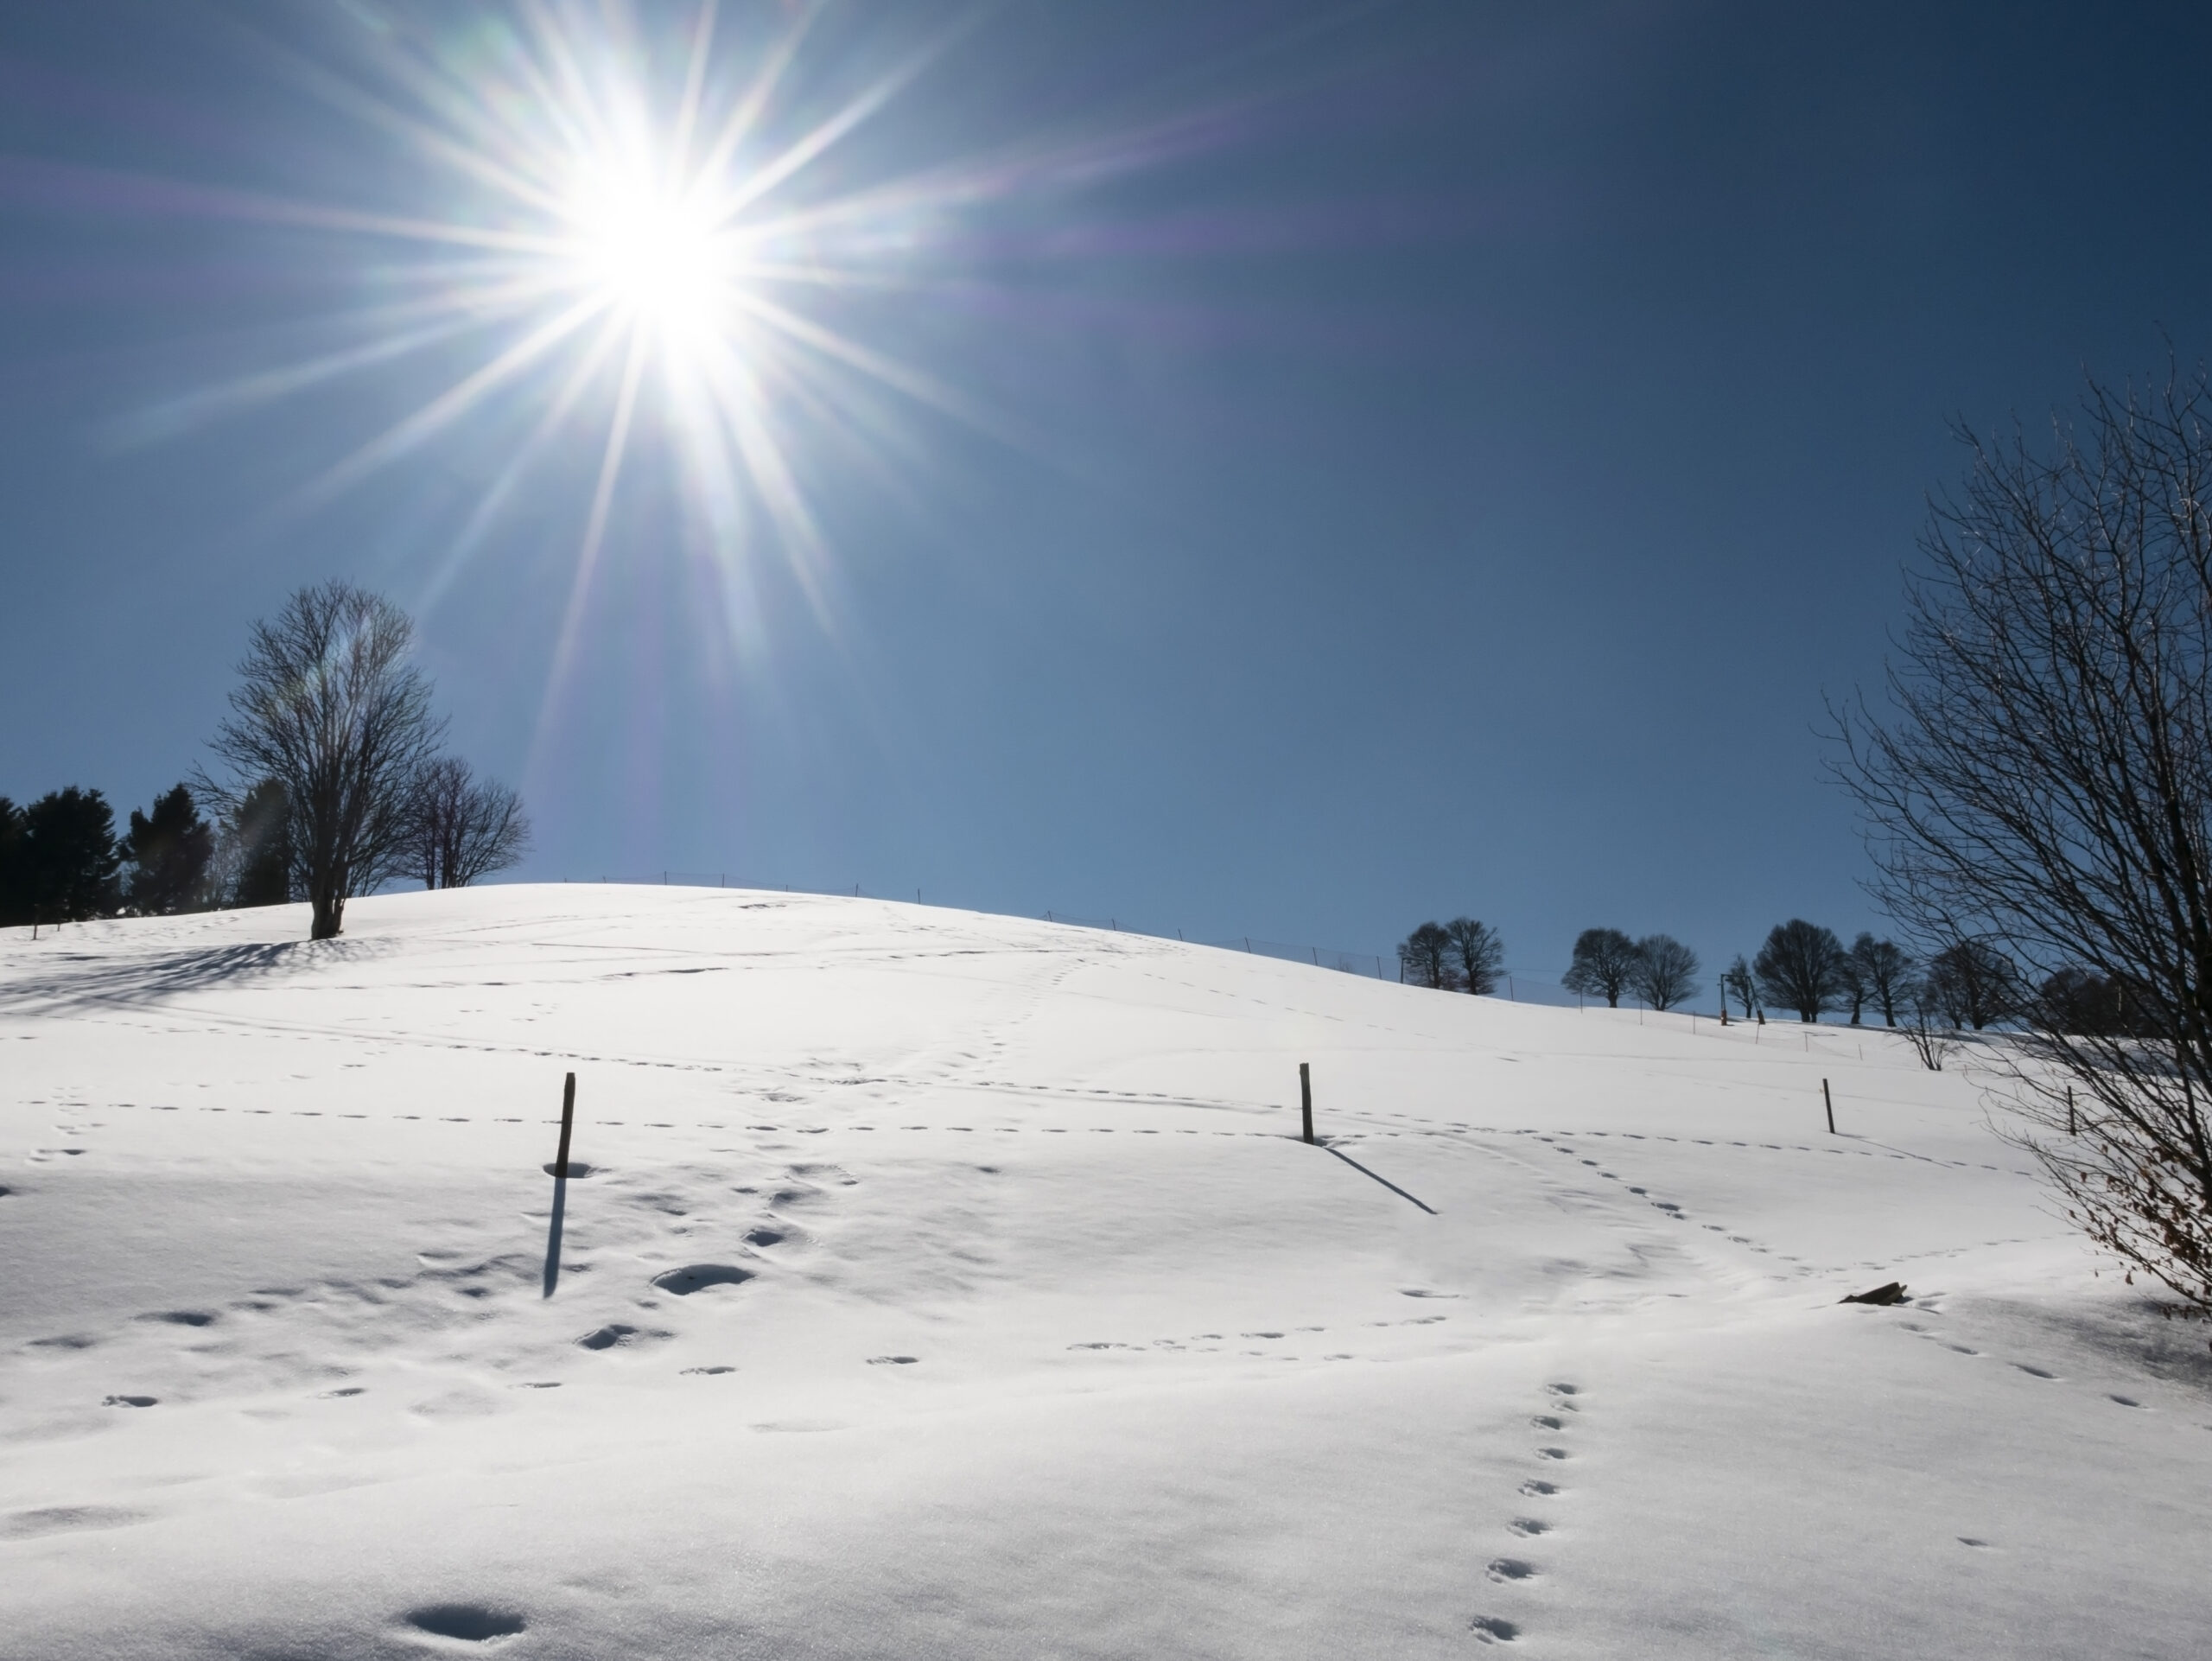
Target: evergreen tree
x,y
259,849
15,881
171,850
68,858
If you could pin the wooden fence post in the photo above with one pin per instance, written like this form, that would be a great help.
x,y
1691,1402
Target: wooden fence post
x,y
1830,1100
1306,1097
568,1121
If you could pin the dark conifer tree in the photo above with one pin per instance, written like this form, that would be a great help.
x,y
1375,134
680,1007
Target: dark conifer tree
x,y
69,856
15,882
171,851
260,850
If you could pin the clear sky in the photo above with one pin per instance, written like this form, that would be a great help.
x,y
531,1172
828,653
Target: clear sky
x,y
1284,469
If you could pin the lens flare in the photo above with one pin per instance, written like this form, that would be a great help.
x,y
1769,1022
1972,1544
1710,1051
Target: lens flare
x,y
655,256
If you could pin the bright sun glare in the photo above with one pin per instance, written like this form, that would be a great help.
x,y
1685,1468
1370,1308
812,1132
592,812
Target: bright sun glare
x,y
625,231
655,255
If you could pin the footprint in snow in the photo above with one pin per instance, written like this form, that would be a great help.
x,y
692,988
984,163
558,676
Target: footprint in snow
x,y
471,1623
130,1401
2034,1373
1536,1488
1489,1629
1528,1527
892,1361
697,1277
1505,1571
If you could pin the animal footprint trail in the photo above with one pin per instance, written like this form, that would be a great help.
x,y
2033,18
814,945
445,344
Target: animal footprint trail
x,y
1561,1399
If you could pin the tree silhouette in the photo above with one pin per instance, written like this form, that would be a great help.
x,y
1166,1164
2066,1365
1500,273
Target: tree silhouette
x,y
1604,960
1425,957
1665,973
67,857
1885,971
329,707
171,850
1479,952
461,827
1800,967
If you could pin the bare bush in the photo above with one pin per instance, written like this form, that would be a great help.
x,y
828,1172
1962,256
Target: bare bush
x,y
2041,783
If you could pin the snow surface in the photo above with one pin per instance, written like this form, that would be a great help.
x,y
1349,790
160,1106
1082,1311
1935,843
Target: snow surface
x,y
947,1285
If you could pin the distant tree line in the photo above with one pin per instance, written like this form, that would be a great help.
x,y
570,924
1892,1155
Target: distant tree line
x,y
336,782
1657,969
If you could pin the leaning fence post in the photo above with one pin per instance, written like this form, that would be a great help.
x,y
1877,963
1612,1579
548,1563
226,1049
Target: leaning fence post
x,y
568,1122
2069,1112
1306,1097
1830,1100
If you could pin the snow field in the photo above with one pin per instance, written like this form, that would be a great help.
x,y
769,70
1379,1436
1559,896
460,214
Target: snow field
x,y
950,1285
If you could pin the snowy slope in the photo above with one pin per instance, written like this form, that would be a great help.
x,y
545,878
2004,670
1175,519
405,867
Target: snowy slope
x,y
947,1285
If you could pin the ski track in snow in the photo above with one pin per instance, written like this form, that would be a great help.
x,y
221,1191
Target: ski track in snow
x,y
954,1285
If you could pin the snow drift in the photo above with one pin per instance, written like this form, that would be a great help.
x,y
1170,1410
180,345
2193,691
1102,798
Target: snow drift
x,y
941,1285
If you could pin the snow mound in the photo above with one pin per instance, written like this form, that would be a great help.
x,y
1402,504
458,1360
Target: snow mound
x,y
929,1284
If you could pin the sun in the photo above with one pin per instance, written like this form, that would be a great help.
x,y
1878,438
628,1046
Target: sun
x,y
656,257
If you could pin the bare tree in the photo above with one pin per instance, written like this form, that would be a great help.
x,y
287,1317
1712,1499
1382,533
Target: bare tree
x,y
1480,952
1976,983
1885,972
329,708
461,827
1923,1025
1604,960
2042,783
2081,1001
1665,973
1425,957
1800,968
1852,989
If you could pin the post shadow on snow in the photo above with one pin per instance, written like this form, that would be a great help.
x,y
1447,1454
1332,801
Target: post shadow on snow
x,y
553,1234
1364,1172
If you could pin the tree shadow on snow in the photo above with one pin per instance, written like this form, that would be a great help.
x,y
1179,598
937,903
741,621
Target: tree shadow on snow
x,y
82,978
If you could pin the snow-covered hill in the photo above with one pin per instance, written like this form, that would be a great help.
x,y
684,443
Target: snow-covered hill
x,y
946,1285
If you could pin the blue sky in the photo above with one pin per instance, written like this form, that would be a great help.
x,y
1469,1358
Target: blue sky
x,y
1331,466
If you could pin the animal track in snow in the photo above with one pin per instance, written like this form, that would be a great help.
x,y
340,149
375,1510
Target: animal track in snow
x,y
1507,1569
607,1336
697,1277
1489,1629
130,1401
2034,1373
892,1361
471,1623
1528,1527
1536,1488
